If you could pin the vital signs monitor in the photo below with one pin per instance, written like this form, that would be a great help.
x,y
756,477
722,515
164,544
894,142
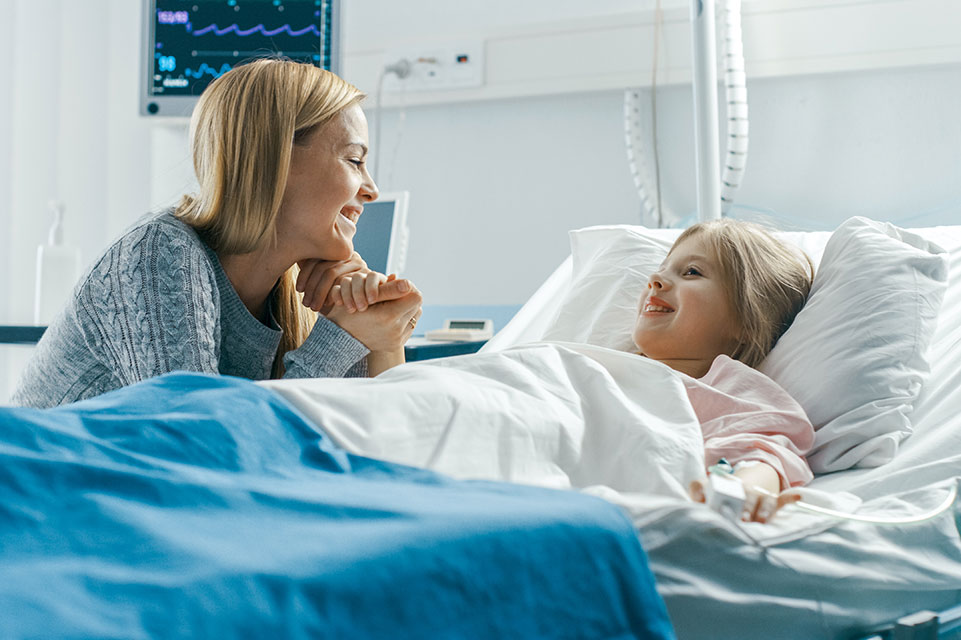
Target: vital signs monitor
x,y
189,43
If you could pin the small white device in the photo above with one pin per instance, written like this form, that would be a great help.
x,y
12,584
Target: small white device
x,y
463,331
58,268
725,494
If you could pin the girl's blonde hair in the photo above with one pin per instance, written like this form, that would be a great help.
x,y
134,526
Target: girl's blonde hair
x,y
241,134
767,282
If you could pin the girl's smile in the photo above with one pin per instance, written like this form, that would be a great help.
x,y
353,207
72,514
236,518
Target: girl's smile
x,y
655,305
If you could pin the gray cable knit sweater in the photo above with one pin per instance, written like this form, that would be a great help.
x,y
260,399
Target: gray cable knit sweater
x,y
157,301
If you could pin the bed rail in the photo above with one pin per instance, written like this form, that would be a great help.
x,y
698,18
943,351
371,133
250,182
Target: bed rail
x,y
923,625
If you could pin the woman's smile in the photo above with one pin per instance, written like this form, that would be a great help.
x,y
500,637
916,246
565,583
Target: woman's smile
x,y
349,217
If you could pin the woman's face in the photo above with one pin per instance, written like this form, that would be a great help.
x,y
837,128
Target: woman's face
x,y
685,313
327,188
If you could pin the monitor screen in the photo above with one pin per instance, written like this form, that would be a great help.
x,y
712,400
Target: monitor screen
x,y
466,324
381,238
189,43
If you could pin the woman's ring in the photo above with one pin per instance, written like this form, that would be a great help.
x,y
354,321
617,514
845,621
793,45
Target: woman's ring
x,y
412,322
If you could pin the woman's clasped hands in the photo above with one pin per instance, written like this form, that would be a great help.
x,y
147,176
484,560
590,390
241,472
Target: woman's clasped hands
x,y
380,311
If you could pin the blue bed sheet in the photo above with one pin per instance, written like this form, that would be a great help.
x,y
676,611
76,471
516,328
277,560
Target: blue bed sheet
x,y
205,506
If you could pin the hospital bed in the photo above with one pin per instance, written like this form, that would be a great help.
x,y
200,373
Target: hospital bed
x,y
805,575
204,496
874,358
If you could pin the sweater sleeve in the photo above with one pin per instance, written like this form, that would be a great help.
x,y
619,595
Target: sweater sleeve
x,y
151,305
745,415
328,352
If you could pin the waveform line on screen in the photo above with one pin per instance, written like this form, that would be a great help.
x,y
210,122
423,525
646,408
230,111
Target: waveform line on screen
x,y
205,68
217,31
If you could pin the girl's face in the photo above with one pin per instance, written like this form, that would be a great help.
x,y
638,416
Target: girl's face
x,y
327,187
685,314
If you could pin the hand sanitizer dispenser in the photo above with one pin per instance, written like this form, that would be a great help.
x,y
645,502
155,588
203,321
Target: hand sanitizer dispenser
x,y
58,267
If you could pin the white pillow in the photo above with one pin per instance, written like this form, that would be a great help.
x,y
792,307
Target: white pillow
x,y
855,357
856,374
610,268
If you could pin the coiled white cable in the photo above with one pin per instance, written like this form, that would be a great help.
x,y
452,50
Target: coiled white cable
x,y
653,214
735,84
653,211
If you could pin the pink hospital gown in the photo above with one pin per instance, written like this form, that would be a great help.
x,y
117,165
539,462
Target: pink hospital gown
x,y
745,415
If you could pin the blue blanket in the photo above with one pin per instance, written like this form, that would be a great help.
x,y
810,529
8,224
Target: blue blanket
x,y
204,506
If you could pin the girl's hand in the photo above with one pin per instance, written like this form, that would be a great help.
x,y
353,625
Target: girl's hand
x,y
357,291
760,505
762,492
762,498
318,277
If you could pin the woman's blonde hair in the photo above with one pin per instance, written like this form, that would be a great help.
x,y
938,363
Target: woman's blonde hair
x,y
241,134
767,282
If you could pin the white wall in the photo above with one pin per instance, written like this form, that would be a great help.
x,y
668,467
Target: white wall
x,y
7,52
73,130
496,182
496,185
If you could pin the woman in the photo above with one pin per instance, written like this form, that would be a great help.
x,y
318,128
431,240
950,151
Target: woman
x,y
280,153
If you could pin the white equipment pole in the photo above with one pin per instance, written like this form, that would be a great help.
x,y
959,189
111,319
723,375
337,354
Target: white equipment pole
x,y
707,150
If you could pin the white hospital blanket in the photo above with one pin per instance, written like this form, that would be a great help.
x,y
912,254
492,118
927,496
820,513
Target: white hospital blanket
x,y
562,416
621,427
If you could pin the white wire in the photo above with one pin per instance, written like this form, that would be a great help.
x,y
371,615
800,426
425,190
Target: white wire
x,y
377,121
398,136
923,517
653,211
402,69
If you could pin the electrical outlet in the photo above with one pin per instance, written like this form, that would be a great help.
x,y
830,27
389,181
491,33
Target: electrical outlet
x,y
447,66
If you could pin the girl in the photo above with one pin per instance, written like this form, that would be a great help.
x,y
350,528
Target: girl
x,y
230,280
723,296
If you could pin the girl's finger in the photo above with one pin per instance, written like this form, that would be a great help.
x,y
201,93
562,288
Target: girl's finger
x,y
358,299
766,506
749,510
372,286
696,489
787,498
347,292
394,289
